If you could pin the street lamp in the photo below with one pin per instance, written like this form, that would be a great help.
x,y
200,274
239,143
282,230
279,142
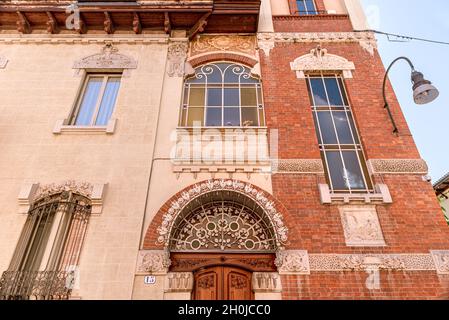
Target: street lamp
x,y
423,90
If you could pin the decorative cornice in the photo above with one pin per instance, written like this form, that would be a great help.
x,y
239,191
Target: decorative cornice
x,y
366,40
109,58
153,262
82,188
297,166
320,60
360,262
83,39
398,166
257,195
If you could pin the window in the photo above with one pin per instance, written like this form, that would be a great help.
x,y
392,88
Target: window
x,y
339,142
48,249
306,7
97,100
222,95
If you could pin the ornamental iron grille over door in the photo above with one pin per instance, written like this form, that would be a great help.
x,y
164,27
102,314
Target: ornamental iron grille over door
x,y
48,251
222,221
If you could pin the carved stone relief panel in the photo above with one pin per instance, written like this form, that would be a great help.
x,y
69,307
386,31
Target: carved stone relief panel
x,y
361,226
204,44
292,262
153,262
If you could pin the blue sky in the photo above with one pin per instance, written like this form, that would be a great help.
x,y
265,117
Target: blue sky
x,y
424,19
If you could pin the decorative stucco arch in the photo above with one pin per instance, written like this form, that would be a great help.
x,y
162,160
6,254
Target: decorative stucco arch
x,y
108,59
319,60
159,232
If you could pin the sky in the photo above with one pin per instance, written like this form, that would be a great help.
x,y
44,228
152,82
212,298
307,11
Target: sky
x,y
423,19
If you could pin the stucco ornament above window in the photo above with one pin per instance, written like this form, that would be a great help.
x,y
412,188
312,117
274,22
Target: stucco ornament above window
x,y
108,59
319,60
3,62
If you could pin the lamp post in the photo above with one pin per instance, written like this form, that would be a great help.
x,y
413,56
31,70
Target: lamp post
x,y
423,90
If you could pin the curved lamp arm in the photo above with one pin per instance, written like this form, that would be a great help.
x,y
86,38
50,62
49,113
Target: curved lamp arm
x,y
387,106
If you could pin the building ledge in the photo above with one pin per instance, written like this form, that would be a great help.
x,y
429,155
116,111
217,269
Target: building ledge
x,y
61,128
381,195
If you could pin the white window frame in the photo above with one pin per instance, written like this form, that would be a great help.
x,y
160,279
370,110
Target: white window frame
x,y
106,76
356,147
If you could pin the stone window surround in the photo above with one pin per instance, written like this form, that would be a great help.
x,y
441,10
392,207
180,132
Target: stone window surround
x,y
29,192
3,62
108,60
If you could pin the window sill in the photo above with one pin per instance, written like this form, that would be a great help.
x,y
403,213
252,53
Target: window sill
x,y
62,128
382,195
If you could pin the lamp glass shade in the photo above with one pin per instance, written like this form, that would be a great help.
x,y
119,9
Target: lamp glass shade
x,y
425,93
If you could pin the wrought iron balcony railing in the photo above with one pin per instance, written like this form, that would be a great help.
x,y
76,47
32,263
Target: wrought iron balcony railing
x,y
36,285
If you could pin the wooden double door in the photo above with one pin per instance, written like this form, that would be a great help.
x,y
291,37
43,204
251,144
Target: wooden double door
x,y
222,283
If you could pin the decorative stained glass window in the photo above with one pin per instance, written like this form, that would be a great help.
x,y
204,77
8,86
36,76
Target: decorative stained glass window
x,y
338,139
222,95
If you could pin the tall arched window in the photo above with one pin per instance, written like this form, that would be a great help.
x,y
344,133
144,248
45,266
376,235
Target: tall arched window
x,y
222,95
48,250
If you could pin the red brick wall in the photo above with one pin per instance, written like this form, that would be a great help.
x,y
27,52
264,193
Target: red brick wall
x,y
312,23
413,223
395,285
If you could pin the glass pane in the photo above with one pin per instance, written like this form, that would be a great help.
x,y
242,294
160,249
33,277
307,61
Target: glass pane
x,y
231,97
212,73
317,130
342,89
354,131
195,115
232,73
333,92
108,102
183,117
353,170
214,97
319,93
342,125
310,7
249,97
327,127
301,7
213,117
196,97
89,101
232,117
336,169
249,117
261,117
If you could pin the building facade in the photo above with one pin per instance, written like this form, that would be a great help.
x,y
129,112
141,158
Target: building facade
x,y
207,149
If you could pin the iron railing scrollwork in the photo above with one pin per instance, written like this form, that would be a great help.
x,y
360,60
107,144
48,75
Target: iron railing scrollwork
x,y
36,285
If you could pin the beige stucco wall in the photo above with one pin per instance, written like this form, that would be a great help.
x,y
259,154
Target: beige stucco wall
x,y
37,88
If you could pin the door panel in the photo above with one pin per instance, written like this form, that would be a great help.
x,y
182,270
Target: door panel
x,y
207,284
237,284
223,283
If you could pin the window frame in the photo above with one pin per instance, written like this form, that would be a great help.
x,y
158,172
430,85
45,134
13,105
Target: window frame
x,y
81,93
356,146
185,102
295,8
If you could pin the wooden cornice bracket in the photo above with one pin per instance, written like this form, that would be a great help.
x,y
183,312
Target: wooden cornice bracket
x,y
137,25
167,23
108,24
52,24
199,26
80,26
23,25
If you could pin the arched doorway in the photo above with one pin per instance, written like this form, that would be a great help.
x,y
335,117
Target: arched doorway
x,y
223,237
